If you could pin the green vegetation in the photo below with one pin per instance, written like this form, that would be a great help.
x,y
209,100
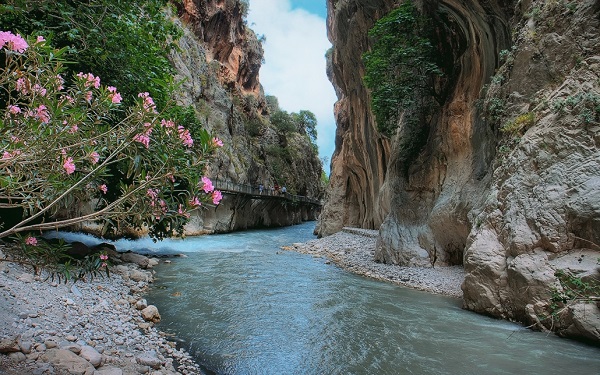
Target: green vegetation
x,y
573,289
303,122
585,104
400,67
124,42
519,125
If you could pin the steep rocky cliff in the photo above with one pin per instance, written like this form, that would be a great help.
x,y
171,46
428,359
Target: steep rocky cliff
x,y
219,62
508,180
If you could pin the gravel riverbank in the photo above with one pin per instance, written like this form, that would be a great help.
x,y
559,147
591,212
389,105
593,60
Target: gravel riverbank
x,y
353,249
96,327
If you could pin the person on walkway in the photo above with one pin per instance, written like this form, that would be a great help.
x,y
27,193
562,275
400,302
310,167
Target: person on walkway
x,y
260,189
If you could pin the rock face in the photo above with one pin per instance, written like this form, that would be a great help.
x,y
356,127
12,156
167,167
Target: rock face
x,y
219,62
508,181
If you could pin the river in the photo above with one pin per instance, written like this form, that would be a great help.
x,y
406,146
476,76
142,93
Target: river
x,y
241,305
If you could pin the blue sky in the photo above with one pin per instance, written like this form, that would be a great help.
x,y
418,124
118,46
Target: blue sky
x,y
294,68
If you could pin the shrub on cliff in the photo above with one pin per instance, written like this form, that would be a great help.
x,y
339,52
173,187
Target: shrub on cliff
x,y
400,66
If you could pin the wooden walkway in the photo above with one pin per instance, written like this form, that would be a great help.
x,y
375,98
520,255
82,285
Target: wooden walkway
x,y
234,188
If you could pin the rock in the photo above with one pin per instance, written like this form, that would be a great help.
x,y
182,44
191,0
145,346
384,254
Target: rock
x,y
50,344
75,348
91,355
141,304
138,259
528,190
137,275
76,291
25,346
584,322
68,361
109,371
149,359
17,356
153,262
9,345
79,250
150,314
26,277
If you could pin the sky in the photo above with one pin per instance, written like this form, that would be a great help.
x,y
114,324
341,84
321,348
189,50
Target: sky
x,y
294,68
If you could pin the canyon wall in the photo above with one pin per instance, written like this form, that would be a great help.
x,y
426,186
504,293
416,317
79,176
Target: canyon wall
x,y
508,180
219,62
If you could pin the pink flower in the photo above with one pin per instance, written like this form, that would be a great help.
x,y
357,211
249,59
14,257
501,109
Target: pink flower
x,y
42,114
207,185
216,196
13,42
103,188
148,101
103,257
73,129
69,166
167,123
143,139
95,157
216,142
6,155
88,96
103,265
152,193
195,202
40,39
60,80
14,109
31,241
22,86
90,80
39,89
114,96
185,136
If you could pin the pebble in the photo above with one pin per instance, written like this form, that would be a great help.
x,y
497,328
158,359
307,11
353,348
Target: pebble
x,y
353,249
97,321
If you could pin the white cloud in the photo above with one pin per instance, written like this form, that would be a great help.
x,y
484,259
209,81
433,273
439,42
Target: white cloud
x,y
294,68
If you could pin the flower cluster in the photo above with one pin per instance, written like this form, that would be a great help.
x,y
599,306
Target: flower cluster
x,y
159,160
13,42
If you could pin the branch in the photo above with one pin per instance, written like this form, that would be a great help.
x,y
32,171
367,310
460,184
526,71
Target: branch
x,y
17,227
67,222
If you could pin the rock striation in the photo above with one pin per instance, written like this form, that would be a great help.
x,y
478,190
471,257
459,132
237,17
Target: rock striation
x,y
507,182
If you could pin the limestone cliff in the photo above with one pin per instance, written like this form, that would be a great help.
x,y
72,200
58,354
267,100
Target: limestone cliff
x,y
508,180
219,62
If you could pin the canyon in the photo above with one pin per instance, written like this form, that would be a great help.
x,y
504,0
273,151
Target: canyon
x,y
507,181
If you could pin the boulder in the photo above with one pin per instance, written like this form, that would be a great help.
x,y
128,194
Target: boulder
x,y
137,275
138,259
150,314
141,304
149,359
68,361
91,355
9,345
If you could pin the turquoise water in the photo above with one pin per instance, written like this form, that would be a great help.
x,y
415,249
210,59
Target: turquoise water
x,y
241,305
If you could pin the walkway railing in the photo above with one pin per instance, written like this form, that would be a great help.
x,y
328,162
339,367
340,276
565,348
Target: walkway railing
x,y
235,188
